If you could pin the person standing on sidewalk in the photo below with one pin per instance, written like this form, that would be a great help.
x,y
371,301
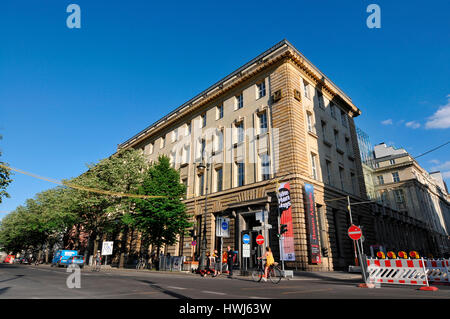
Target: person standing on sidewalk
x,y
230,255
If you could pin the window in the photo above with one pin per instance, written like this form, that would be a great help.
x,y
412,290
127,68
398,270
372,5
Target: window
x,y
219,112
265,167
175,135
261,89
204,120
219,145
336,138
239,101
332,110
262,123
380,179
395,177
313,166
341,177
348,146
310,122
344,119
188,129
399,197
240,174
163,142
306,89
324,129
219,179
320,99
328,167
392,161
150,148
240,132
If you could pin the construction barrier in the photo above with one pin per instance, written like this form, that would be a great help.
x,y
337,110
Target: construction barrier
x,y
397,271
438,270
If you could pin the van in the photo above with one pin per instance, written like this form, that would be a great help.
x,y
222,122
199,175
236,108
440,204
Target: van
x,y
61,257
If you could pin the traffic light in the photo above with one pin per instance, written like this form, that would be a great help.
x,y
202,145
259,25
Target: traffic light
x,y
283,229
192,232
325,252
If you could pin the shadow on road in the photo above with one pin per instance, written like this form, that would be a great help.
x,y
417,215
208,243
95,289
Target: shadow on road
x,y
165,291
13,278
3,290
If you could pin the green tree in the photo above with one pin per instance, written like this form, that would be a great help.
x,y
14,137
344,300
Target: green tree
x,y
102,214
5,179
161,220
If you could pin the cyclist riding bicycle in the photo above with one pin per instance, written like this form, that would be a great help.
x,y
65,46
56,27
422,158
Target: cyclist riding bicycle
x,y
268,256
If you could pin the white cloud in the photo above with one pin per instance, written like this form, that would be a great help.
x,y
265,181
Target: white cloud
x,y
387,122
440,119
412,124
442,167
446,174
434,161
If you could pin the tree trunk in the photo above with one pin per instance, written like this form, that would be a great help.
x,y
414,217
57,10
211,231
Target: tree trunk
x,y
123,247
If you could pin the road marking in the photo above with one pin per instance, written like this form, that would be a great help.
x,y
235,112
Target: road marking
x,y
258,298
213,292
180,288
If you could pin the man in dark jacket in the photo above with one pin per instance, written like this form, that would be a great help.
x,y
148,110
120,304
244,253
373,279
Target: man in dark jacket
x,y
230,255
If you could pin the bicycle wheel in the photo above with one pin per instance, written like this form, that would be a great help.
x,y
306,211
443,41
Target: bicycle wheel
x,y
275,275
257,275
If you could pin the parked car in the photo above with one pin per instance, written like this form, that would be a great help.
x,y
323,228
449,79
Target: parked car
x,y
9,259
61,257
76,260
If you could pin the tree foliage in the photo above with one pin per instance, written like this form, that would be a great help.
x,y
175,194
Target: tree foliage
x,y
5,179
161,219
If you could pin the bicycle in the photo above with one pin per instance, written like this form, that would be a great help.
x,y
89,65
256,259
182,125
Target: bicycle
x,y
97,266
141,264
273,273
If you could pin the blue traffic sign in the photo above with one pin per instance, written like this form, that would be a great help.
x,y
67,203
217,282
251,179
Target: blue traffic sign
x,y
224,225
246,239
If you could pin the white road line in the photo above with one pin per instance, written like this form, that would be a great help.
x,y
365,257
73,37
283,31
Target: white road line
x,y
258,298
180,288
213,292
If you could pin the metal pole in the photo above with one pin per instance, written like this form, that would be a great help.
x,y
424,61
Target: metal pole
x,y
204,242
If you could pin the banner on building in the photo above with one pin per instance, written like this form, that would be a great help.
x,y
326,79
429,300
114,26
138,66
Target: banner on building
x,y
311,218
284,203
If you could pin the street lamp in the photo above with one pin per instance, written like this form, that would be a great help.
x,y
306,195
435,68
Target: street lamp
x,y
201,167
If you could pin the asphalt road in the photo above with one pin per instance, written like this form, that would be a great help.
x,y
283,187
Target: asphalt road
x,y
44,282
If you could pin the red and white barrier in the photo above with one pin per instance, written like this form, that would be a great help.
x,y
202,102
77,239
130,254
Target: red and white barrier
x,y
397,271
438,270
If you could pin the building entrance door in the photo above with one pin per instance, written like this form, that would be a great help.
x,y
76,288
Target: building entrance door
x,y
255,250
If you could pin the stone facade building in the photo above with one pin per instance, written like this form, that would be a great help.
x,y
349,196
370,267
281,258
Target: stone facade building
x,y
276,119
403,185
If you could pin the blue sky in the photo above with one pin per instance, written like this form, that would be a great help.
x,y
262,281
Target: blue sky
x,y
69,96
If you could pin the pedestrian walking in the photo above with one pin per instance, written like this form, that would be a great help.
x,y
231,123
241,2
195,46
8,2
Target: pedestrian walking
x,y
230,255
217,269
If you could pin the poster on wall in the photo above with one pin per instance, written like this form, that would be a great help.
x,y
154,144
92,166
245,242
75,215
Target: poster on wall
x,y
311,218
284,203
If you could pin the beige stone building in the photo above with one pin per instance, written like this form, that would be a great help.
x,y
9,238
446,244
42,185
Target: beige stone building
x,y
276,119
403,185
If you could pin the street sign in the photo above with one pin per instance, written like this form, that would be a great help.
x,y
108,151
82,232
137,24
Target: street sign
x,y
354,232
222,227
107,248
267,226
260,240
246,239
194,243
246,250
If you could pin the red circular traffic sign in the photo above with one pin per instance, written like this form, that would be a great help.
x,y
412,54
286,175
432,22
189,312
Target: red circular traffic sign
x,y
194,243
260,240
354,232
